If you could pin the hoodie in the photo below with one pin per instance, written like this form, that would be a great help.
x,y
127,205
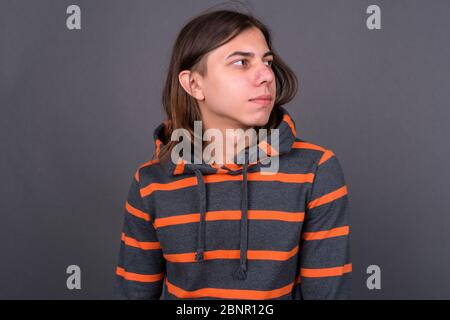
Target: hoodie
x,y
206,231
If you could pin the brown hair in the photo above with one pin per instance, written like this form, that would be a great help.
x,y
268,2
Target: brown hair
x,y
197,38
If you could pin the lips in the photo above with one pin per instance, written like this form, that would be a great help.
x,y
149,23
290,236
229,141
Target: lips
x,y
265,97
263,100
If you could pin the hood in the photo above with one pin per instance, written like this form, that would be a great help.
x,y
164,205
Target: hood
x,y
287,136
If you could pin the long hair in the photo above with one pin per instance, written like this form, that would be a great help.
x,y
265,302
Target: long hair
x,y
196,39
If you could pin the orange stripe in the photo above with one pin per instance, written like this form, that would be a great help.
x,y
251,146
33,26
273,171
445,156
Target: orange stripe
x,y
185,218
233,254
326,155
276,215
230,215
158,146
342,191
235,166
136,212
182,183
214,178
319,235
139,244
290,123
326,272
179,168
282,177
229,293
149,163
267,148
219,168
139,277
307,145
136,175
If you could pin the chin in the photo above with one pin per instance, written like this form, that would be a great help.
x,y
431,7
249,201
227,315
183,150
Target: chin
x,y
261,118
257,122
254,117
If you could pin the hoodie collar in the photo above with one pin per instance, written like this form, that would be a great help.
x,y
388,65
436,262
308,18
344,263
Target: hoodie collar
x,y
287,136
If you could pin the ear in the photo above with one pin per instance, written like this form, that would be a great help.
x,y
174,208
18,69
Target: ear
x,y
191,83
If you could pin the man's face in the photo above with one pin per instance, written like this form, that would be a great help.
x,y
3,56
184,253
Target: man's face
x,y
232,81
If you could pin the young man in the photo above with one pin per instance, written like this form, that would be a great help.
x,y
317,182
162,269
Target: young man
x,y
221,229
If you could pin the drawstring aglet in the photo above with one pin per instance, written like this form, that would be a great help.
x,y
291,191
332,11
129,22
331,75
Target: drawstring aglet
x,y
241,273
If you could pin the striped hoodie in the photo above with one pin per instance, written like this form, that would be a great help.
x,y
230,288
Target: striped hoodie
x,y
204,231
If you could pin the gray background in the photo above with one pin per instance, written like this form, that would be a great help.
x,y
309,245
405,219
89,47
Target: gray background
x,y
78,109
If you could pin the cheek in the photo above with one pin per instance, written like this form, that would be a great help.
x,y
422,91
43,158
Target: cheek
x,y
240,88
228,91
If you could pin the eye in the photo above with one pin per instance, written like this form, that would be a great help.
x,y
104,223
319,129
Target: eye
x,y
241,60
270,62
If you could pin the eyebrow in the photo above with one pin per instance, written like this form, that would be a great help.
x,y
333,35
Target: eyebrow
x,y
247,54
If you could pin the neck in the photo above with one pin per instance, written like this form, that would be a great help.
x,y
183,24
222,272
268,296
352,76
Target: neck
x,y
238,143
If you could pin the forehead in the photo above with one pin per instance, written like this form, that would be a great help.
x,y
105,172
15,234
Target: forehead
x,y
251,40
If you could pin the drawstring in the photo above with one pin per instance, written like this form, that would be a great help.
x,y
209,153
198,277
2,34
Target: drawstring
x,y
241,272
201,229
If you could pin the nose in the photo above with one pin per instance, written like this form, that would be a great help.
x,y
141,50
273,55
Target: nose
x,y
264,73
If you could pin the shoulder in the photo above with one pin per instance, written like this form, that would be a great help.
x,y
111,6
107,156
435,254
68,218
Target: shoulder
x,y
328,174
327,168
147,171
319,154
